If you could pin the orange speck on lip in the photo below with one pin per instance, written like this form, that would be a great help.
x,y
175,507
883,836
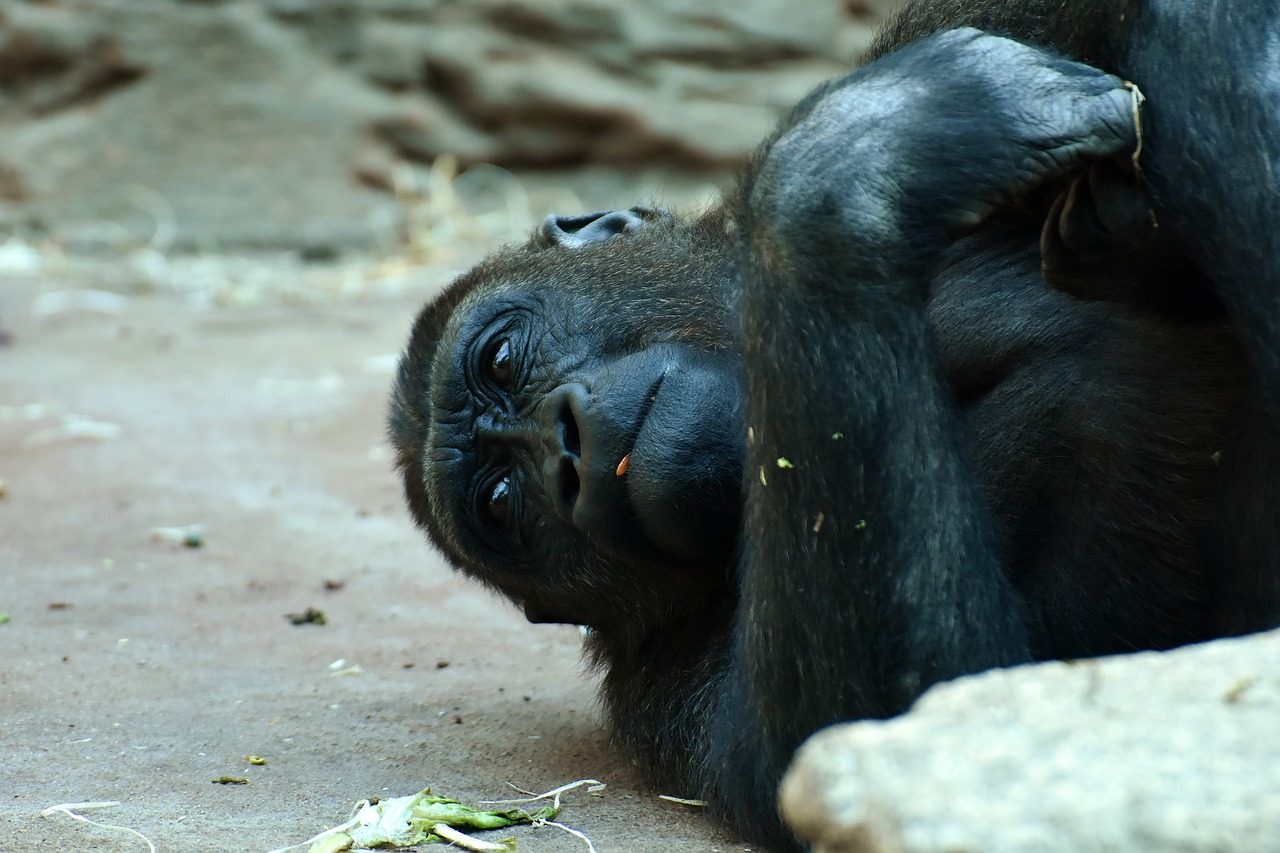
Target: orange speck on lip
x,y
622,466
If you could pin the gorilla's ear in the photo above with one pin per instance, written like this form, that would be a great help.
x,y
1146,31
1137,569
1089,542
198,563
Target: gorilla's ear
x,y
574,232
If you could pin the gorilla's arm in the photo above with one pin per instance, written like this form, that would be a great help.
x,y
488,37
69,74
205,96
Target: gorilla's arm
x,y
869,568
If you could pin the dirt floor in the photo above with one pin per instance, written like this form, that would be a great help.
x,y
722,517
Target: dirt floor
x,y
139,670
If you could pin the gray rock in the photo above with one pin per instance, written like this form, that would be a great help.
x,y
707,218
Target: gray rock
x,y
1156,751
285,123
225,131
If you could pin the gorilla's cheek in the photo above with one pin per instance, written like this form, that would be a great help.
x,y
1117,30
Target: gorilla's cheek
x,y
684,475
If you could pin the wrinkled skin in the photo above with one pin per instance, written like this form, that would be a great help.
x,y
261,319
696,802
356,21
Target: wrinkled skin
x,y
946,384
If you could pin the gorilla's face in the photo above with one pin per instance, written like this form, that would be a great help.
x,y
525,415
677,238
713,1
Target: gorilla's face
x,y
532,419
568,434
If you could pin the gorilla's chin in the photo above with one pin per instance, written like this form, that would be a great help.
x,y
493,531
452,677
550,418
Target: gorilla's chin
x,y
684,476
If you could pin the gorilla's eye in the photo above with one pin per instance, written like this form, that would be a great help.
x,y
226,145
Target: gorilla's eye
x,y
497,504
500,363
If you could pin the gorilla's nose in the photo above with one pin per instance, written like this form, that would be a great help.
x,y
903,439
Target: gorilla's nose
x,y
562,445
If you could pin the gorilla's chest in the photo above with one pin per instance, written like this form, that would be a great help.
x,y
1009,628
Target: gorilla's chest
x,y
1095,427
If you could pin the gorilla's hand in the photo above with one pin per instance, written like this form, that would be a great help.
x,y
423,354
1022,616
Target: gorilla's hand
x,y
1101,241
897,156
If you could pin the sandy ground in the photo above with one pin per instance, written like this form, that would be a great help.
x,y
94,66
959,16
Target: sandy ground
x,y
138,670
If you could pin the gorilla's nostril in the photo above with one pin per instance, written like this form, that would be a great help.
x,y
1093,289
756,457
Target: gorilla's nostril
x,y
570,452
569,482
570,439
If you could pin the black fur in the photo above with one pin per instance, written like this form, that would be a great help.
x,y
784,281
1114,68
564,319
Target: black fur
x,y
799,458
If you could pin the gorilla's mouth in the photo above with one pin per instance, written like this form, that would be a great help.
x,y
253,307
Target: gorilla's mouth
x,y
683,475
646,406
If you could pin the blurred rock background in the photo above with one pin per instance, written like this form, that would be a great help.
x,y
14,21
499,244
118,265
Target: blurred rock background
x,y
314,125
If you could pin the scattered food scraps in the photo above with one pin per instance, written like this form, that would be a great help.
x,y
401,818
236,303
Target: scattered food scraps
x,y
623,465
1237,690
4,618
73,427
311,616
684,801
70,810
190,536
477,845
784,462
412,820
255,759
231,780
594,787
340,667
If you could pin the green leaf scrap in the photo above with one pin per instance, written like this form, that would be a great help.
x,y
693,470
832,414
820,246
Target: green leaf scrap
x,y
406,821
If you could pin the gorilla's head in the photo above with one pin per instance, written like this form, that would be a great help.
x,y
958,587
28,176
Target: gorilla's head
x,y
567,419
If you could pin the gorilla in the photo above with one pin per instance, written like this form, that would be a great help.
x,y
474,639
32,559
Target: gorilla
x,y
978,364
